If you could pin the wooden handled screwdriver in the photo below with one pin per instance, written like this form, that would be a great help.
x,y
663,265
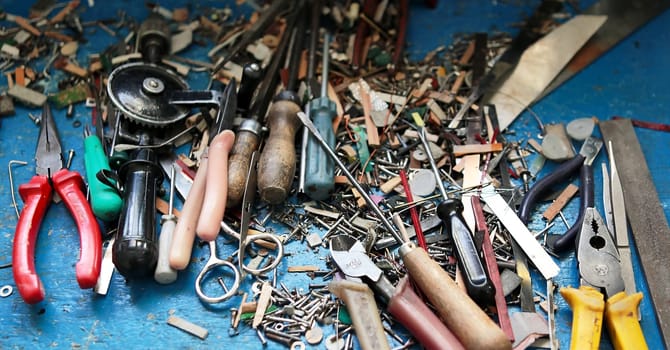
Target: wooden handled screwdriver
x,y
222,140
461,314
277,163
248,136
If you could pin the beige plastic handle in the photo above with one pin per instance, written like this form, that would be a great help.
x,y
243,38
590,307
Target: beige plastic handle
x,y
184,232
216,189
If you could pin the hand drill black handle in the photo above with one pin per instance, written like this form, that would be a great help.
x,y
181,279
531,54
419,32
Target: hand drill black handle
x,y
135,250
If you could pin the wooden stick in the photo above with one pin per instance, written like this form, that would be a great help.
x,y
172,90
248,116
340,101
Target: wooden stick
x,y
560,202
461,150
370,127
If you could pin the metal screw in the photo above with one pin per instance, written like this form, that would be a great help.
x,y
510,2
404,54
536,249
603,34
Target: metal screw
x,y
70,155
35,119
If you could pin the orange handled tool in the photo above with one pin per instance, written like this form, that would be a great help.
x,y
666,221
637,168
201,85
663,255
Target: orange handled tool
x,y
37,195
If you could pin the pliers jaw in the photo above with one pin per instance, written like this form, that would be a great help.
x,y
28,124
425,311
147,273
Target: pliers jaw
x,y
597,255
48,155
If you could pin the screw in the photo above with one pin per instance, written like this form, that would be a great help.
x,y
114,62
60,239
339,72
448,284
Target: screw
x,y
35,119
70,155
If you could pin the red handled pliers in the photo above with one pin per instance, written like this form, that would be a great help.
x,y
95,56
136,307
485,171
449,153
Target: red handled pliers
x,y
37,195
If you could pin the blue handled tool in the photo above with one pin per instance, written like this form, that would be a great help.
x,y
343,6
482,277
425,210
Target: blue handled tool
x,y
319,168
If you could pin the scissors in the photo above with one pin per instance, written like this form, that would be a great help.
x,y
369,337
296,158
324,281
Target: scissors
x,y
244,239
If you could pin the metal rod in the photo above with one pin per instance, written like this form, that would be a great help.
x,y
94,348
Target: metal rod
x,y
324,65
11,183
173,175
389,226
422,136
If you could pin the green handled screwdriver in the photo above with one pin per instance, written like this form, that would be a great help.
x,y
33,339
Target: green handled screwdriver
x,y
105,199
319,168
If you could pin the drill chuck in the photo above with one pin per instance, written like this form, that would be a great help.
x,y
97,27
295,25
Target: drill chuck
x,y
153,38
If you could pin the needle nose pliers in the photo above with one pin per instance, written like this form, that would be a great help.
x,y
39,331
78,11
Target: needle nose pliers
x,y
37,195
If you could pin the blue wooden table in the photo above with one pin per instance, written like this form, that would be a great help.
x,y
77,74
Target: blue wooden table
x,y
630,80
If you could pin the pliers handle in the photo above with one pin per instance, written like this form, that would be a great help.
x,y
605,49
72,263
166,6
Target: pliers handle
x,y
600,270
620,313
37,195
587,197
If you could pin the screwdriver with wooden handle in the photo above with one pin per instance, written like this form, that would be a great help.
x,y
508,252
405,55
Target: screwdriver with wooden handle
x,y
277,163
208,180
248,136
457,310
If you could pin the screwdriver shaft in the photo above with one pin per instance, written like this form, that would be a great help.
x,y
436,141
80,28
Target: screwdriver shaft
x,y
324,65
389,226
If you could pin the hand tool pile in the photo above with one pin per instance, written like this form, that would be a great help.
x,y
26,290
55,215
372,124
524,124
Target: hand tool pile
x,y
403,185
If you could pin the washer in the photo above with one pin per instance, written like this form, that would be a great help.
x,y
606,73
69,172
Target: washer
x,y
422,182
6,290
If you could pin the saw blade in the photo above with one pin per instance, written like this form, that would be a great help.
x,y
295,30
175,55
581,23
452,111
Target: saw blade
x,y
623,18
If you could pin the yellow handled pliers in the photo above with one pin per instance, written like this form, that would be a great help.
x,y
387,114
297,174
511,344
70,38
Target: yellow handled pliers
x,y
600,270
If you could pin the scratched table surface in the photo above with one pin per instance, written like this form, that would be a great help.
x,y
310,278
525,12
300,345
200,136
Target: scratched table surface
x,y
630,81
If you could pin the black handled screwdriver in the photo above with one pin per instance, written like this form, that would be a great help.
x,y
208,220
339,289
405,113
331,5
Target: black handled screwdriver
x,y
477,282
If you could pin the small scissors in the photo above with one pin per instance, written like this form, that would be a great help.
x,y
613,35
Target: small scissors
x,y
239,271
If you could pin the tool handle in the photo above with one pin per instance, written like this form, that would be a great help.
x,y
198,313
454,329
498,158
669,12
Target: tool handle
x,y
69,186
586,200
406,307
251,78
164,273
105,200
246,142
364,314
621,316
276,165
135,250
587,305
492,268
477,283
216,194
320,168
36,196
184,231
561,173
477,330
